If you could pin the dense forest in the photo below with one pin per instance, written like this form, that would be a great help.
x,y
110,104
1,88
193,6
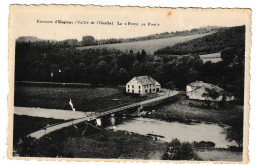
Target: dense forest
x,y
52,61
225,37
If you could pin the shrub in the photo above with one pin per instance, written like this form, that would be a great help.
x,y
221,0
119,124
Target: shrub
x,y
25,146
235,149
203,144
179,151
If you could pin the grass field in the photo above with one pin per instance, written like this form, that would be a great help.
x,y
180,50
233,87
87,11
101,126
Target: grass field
x,y
220,155
150,46
24,125
184,110
83,99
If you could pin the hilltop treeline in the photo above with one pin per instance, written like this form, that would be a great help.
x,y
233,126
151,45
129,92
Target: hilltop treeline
x,y
55,62
90,40
225,37
149,37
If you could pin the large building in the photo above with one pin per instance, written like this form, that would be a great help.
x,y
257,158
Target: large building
x,y
204,91
143,85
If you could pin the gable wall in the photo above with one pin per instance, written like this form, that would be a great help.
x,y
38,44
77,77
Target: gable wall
x,y
134,83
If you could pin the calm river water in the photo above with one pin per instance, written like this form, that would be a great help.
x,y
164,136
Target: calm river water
x,y
170,130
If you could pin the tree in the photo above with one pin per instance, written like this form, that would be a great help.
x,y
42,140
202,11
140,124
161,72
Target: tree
x,y
88,40
141,56
233,55
179,151
102,68
235,131
123,76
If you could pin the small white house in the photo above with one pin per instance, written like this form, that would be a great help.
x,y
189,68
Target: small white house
x,y
204,91
143,85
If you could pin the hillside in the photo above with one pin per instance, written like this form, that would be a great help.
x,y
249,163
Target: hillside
x,y
150,46
31,39
216,42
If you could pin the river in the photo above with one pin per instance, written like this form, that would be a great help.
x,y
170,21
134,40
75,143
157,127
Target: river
x,y
170,130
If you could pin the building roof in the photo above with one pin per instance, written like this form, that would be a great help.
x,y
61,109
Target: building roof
x,y
202,84
207,86
145,80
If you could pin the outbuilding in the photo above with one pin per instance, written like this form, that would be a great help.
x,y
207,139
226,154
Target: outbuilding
x,y
204,91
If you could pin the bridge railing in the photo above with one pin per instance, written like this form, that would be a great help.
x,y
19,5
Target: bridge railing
x,y
115,109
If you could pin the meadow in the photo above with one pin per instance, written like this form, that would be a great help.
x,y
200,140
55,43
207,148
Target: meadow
x,y
150,46
187,111
83,99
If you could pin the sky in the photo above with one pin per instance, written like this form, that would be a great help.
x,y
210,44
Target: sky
x,y
28,21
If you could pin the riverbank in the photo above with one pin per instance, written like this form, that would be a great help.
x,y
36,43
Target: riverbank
x,y
71,142
219,155
187,111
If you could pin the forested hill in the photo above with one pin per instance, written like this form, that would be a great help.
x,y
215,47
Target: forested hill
x,y
216,42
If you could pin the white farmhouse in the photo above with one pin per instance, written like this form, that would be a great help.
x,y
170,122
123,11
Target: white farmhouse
x,y
143,85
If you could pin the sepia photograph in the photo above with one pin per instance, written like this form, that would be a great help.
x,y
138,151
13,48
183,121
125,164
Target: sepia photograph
x,y
128,83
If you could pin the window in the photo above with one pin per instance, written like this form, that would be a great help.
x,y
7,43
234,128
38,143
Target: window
x,y
139,91
133,91
128,90
139,87
128,86
133,86
153,89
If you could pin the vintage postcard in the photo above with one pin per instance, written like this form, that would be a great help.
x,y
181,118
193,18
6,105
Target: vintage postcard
x,y
128,83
